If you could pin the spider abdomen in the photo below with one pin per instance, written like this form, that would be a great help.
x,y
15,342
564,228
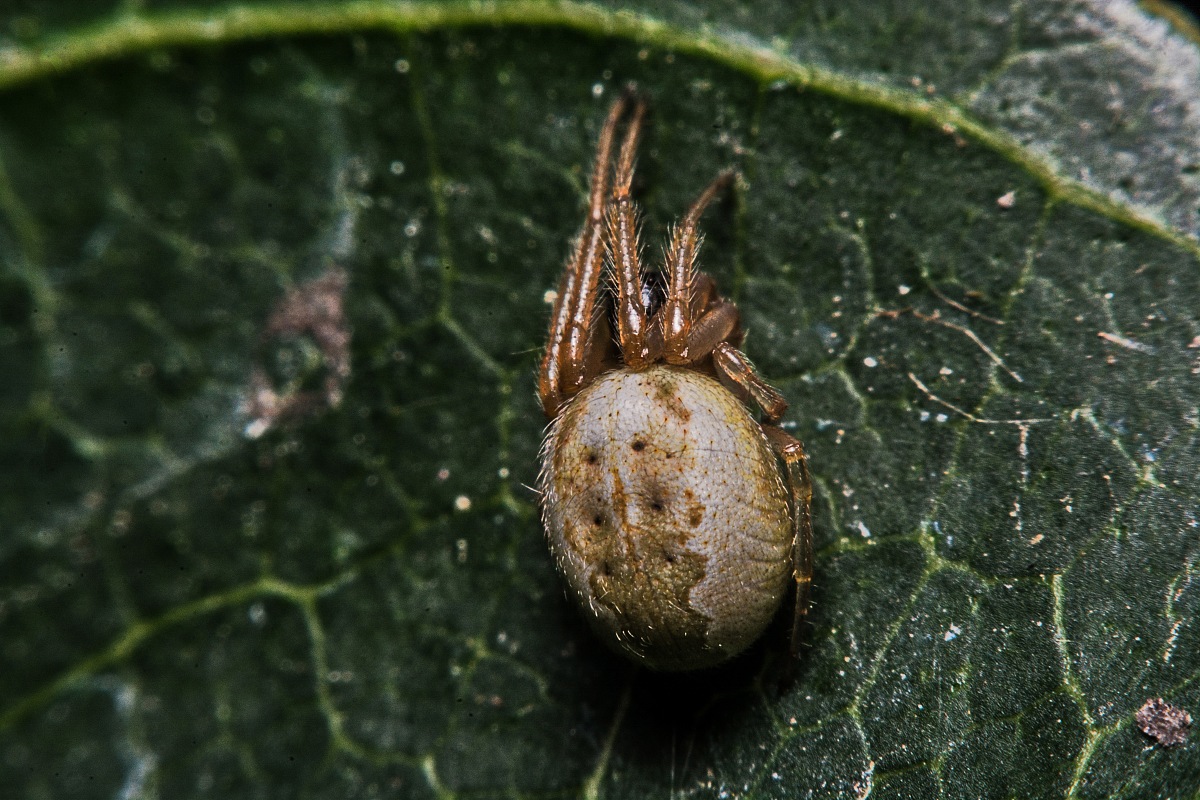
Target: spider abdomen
x,y
665,508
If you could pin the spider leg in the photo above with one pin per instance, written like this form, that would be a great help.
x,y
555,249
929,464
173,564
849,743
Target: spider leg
x,y
677,315
571,348
719,323
736,372
633,332
714,320
704,294
791,451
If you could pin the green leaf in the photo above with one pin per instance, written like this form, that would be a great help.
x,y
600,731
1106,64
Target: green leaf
x,y
240,559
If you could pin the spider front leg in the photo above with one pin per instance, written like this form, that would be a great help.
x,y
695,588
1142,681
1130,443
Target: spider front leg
x,y
791,451
640,344
575,347
677,315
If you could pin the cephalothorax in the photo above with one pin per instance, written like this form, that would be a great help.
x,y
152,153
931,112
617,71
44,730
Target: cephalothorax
x,y
676,518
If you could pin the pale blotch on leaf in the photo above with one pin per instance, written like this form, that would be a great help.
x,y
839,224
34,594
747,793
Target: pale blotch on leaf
x,y
1163,722
303,355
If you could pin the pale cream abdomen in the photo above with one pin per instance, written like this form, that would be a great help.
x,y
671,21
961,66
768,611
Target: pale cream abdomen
x,y
665,509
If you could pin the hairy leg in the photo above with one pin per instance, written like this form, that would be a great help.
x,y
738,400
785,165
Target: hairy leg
x,y
571,347
791,451
633,333
676,314
738,374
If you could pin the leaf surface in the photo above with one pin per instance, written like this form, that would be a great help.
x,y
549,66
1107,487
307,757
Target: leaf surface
x,y
273,287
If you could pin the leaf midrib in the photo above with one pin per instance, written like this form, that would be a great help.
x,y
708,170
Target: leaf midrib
x,y
131,33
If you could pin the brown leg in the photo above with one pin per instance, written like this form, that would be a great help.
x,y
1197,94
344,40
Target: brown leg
x,y
737,373
791,451
571,348
632,327
710,329
704,297
704,294
681,275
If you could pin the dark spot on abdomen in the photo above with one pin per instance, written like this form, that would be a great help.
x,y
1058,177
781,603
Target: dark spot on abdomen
x,y
655,498
695,511
667,394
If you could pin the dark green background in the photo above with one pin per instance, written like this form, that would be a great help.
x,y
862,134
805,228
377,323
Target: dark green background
x,y
1007,503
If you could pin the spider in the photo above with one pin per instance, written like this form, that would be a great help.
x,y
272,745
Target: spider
x,y
675,516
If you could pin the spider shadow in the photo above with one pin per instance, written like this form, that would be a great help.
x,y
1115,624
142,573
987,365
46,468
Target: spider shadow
x,y
676,721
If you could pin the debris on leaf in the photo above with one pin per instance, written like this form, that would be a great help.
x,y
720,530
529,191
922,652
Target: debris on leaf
x,y
1163,722
304,355
1007,200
